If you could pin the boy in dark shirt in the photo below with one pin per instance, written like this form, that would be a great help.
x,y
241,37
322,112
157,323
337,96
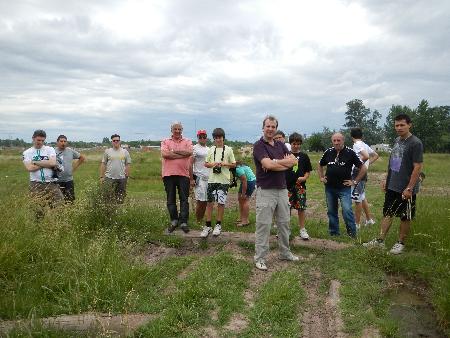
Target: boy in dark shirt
x,y
296,181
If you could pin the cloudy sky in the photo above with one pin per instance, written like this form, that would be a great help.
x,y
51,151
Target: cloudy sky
x,y
90,68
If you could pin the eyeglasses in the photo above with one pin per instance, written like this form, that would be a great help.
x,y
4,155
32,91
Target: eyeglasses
x,y
115,140
202,136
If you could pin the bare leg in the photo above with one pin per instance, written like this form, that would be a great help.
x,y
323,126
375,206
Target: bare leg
x,y
365,206
209,210
385,225
200,209
404,230
245,210
301,219
220,211
241,207
358,210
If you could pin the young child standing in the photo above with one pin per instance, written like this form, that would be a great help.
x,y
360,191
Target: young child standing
x,y
296,181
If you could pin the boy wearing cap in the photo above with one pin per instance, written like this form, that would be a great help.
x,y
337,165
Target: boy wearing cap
x,y
200,174
219,160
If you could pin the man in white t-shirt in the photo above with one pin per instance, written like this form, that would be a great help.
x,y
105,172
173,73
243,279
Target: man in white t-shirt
x,y
368,156
40,161
200,174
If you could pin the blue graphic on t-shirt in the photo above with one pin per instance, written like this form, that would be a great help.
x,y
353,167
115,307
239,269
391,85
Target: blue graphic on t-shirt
x,y
396,157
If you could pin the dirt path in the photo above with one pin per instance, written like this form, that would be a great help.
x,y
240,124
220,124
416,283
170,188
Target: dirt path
x,y
100,323
322,317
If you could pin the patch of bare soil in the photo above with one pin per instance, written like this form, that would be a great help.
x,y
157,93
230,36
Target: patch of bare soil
x,y
322,318
100,323
155,253
237,324
250,237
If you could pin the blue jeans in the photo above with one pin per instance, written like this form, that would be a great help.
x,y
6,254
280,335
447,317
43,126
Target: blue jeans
x,y
344,195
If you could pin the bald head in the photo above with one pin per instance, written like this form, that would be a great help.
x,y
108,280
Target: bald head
x,y
338,141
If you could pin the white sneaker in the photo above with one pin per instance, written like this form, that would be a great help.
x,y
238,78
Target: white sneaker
x,y
370,222
217,230
374,243
397,248
291,258
205,232
260,265
304,234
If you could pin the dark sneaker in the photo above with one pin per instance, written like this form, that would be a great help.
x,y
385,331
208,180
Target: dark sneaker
x,y
173,226
184,227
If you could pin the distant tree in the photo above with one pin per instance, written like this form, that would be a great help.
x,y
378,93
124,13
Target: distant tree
x,y
430,124
314,142
105,140
358,115
326,137
389,132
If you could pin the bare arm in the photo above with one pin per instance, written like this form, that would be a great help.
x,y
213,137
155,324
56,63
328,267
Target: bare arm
x,y
30,166
102,171
279,165
364,155
407,193
362,172
320,172
243,179
127,170
80,161
303,178
171,155
50,163
373,157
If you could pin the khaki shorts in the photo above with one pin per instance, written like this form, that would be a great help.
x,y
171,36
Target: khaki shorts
x,y
201,189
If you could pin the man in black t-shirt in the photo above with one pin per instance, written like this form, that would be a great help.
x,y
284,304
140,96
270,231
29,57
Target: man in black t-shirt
x,y
339,161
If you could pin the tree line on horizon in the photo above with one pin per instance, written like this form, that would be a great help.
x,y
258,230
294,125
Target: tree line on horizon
x,y
430,124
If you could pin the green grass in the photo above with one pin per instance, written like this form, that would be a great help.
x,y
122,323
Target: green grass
x,y
87,258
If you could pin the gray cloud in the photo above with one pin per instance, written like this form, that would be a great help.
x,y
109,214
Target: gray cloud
x,y
209,64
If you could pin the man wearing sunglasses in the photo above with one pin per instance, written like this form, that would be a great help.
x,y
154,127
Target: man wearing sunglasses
x,y
200,174
115,170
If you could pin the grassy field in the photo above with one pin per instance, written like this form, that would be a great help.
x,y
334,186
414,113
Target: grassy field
x,y
88,258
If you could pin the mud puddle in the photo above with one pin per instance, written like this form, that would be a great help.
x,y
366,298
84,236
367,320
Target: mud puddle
x,y
415,317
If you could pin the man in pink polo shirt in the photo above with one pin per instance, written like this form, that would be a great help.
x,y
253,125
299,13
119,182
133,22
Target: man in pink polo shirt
x,y
176,152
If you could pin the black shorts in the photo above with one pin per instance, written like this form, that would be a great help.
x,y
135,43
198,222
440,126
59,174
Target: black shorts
x,y
396,206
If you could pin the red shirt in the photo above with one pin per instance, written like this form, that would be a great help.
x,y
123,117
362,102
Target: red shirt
x,y
178,166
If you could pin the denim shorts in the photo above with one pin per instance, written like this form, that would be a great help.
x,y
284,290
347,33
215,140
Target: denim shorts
x,y
251,185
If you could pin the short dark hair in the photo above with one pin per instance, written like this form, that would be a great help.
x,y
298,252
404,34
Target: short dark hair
x,y
270,118
115,135
217,132
39,133
356,133
280,132
405,117
295,137
60,137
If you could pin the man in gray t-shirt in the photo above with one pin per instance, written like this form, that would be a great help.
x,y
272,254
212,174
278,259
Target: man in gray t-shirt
x,y
401,185
114,171
67,156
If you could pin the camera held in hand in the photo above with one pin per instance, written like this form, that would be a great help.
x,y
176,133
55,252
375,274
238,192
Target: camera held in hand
x,y
217,170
